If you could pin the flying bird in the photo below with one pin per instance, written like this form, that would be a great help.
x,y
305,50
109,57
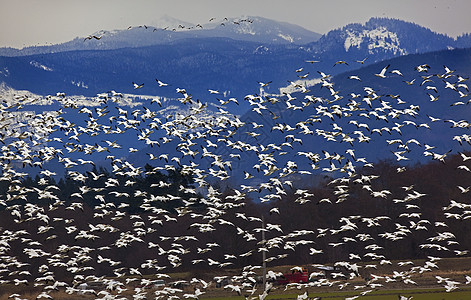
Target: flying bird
x,y
264,84
340,62
383,72
160,83
137,86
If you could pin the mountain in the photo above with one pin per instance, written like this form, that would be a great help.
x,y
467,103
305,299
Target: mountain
x,y
232,67
167,22
262,30
199,61
450,107
407,108
383,38
169,30
379,37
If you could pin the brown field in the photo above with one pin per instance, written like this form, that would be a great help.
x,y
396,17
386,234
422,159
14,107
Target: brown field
x,y
452,268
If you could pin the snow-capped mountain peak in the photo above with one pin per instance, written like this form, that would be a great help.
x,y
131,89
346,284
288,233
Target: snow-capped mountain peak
x,y
167,21
382,38
377,38
262,30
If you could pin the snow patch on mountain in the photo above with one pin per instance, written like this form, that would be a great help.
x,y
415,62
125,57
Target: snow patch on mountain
x,y
261,50
11,96
379,37
40,66
245,29
294,87
167,21
261,30
286,37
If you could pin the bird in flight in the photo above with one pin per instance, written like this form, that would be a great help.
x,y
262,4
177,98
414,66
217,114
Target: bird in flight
x,y
90,221
160,83
137,86
264,84
93,37
383,72
340,62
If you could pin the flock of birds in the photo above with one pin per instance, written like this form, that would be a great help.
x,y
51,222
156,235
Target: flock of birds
x,y
208,149
180,27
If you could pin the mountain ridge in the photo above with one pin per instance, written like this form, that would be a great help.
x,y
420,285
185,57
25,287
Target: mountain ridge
x,y
413,37
387,89
381,36
253,29
234,67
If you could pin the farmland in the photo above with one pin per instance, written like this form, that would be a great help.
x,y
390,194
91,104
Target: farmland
x,y
426,285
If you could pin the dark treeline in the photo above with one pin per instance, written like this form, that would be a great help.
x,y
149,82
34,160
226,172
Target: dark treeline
x,y
162,223
115,188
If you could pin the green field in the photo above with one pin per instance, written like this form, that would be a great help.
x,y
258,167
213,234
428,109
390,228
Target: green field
x,y
417,294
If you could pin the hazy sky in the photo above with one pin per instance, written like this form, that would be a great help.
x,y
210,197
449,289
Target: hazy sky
x,y
32,22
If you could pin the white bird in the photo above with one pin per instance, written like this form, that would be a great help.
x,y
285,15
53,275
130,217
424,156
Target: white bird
x,y
397,72
137,86
383,72
264,84
432,98
160,83
354,77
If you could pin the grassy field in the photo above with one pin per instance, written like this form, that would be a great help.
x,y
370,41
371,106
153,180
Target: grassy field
x,y
417,294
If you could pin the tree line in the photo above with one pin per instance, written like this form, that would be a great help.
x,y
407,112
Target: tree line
x,y
182,230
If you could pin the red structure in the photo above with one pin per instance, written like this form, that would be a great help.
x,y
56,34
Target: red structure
x,y
297,275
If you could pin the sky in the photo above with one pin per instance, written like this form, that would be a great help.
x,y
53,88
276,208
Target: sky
x,y
42,22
